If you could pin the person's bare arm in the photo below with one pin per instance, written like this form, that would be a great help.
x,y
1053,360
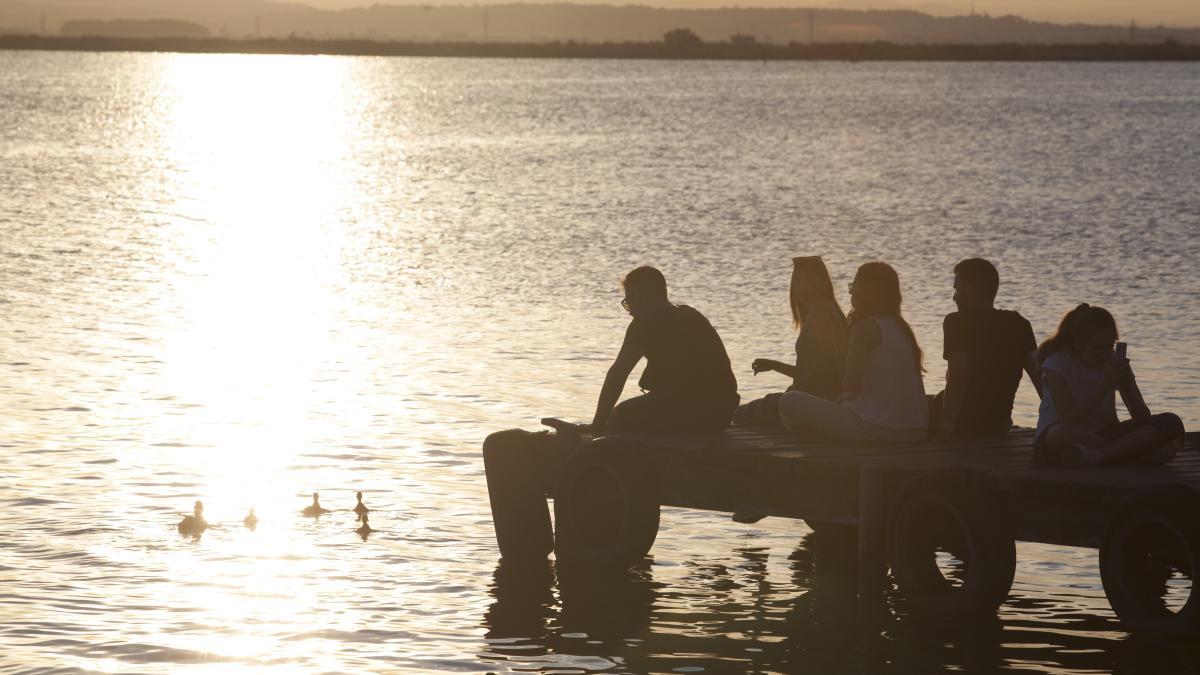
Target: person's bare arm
x,y
765,365
956,388
864,336
1132,397
1035,372
614,381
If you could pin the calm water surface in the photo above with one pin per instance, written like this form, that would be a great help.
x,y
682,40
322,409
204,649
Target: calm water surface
x,y
245,278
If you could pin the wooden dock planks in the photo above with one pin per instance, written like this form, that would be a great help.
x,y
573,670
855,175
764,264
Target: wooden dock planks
x,y
771,470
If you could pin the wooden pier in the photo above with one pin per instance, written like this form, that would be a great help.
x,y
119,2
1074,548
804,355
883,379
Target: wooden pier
x,y
905,504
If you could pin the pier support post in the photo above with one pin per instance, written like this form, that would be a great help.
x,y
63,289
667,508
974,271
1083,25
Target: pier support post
x,y
873,497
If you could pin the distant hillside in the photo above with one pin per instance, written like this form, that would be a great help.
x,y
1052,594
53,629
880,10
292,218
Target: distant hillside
x,y
683,45
603,23
583,23
130,28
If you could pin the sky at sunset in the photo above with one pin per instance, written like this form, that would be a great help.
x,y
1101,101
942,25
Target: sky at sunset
x,y
1146,12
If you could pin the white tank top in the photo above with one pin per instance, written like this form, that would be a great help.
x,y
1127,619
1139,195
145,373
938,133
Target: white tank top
x,y
892,394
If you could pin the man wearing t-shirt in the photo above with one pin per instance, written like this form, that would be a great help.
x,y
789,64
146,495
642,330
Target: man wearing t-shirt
x,y
985,349
688,381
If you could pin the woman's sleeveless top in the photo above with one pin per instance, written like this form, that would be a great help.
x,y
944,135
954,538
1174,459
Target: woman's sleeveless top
x,y
892,395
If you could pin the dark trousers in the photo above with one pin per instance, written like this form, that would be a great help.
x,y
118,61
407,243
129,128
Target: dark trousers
x,y
761,412
1168,425
658,412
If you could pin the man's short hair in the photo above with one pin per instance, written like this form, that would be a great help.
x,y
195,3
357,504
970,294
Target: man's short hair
x,y
646,281
982,276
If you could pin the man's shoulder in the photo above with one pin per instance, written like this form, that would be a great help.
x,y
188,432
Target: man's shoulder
x,y
986,317
1011,315
689,312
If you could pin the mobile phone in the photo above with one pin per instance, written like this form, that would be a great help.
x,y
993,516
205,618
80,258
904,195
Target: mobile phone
x,y
1122,350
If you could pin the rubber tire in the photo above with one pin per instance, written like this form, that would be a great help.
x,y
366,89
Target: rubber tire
x,y
1173,510
959,501
518,498
606,506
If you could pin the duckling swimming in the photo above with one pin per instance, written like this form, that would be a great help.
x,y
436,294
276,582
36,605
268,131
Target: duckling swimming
x,y
194,525
251,520
360,509
365,530
315,510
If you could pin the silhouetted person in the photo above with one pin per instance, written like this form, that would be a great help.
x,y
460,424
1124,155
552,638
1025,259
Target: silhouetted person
x,y
360,509
883,398
251,520
688,382
194,525
820,346
315,510
1077,421
985,350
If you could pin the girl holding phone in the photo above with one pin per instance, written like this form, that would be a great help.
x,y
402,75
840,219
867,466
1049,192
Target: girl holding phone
x,y
1077,421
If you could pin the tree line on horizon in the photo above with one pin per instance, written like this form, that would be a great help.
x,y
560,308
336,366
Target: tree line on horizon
x,y
675,44
528,23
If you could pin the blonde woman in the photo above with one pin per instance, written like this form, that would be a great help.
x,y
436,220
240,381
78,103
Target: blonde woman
x,y
820,344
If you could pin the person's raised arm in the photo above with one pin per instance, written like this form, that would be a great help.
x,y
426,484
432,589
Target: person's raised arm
x,y
1131,395
1035,372
956,388
864,336
614,381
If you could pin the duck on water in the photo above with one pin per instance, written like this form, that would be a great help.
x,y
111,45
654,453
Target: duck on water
x,y
194,525
315,510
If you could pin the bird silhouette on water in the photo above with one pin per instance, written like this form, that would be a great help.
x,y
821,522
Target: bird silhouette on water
x,y
365,529
315,510
251,520
194,525
360,509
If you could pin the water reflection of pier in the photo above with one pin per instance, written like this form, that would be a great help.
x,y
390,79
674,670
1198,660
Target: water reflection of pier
x,y
546,616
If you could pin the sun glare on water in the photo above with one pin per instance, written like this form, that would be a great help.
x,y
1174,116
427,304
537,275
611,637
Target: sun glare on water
x,y
258,146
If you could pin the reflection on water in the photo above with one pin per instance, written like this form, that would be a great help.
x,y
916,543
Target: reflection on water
x,y
244,279
545,617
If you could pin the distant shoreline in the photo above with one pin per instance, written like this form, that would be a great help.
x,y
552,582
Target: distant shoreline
x,y
841,51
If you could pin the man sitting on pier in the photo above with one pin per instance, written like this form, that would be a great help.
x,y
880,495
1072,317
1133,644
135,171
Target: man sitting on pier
x,y
985,349
688,381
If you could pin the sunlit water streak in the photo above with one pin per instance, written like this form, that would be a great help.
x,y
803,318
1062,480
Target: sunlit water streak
x,y
242,279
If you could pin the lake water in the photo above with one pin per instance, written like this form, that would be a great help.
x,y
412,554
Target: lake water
x,y
242,279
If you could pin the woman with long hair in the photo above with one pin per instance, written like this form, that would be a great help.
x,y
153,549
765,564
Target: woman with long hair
x,y
882,396
820,344
1077,420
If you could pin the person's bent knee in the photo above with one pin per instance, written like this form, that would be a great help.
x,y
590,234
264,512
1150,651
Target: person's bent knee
x,y
1168,424
790,404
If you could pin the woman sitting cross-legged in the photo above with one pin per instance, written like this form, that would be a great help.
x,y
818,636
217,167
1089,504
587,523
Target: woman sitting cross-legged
x,y
820,347
1077,421
883,397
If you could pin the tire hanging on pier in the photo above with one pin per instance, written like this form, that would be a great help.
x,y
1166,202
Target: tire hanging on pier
x,y
948,513
606,506
1150,549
